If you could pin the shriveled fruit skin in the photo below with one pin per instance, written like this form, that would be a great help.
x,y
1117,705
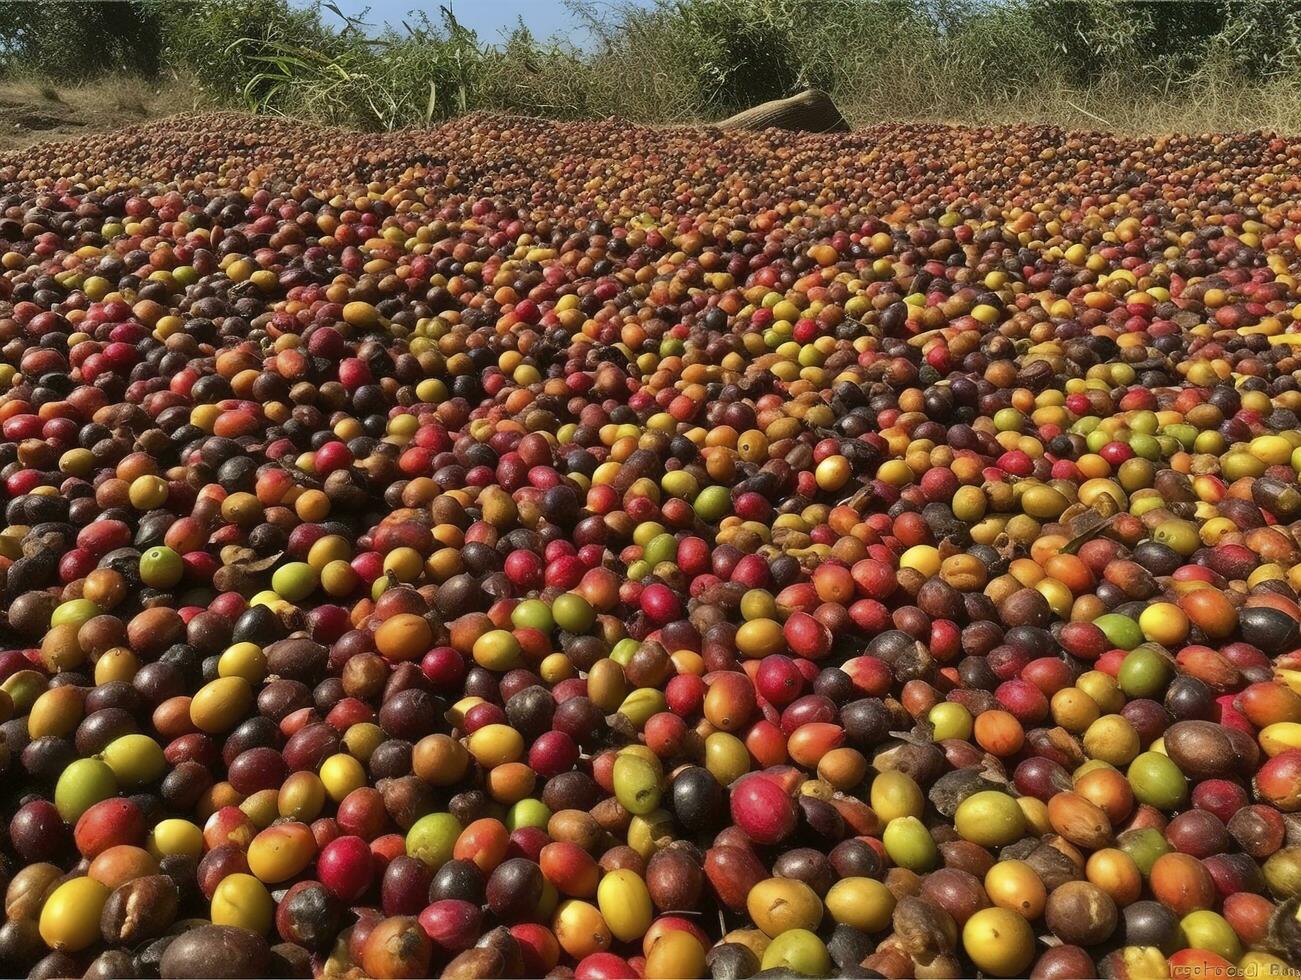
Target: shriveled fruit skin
x,y
216,951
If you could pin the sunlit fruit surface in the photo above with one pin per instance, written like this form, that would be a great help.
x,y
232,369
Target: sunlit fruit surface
x,y
523,549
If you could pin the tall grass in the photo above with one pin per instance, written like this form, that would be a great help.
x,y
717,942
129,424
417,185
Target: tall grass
x,y
1127,64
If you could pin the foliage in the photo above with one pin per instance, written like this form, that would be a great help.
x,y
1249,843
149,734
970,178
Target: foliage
x,y
219,42
1076,61
64,39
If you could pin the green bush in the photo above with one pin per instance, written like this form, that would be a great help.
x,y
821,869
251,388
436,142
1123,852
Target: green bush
x,y
63,39
1122,62
218,42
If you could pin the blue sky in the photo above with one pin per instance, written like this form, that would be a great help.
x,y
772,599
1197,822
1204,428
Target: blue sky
x,y
490,19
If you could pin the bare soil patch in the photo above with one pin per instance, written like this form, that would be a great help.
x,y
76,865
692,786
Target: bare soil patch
x,y
31,112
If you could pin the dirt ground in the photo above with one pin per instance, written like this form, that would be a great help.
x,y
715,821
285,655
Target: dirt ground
x,y
31,112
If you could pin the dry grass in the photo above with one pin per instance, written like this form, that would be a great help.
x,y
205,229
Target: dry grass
x,y
1124,65
31,111
1273,106
1205,107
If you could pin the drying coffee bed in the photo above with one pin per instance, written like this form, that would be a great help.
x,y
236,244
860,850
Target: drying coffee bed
x,y
523,549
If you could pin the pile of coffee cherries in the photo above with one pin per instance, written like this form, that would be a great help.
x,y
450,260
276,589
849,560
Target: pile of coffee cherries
x,y
524,549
